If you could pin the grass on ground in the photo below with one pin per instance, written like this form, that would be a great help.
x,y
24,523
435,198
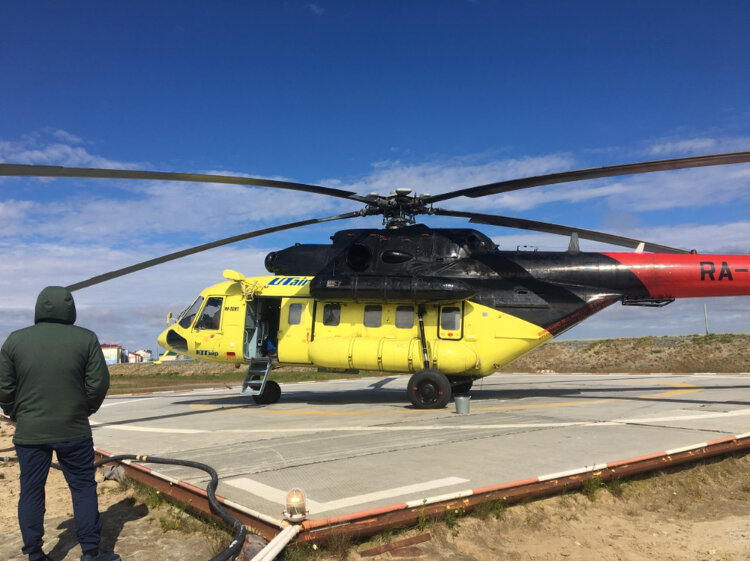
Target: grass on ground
x,y
175,516
130,383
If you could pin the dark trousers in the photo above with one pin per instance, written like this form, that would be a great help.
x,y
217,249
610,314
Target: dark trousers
x,y
77,462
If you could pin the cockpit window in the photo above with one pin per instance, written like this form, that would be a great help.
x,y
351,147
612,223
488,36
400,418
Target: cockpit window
x,y
211,315
186,320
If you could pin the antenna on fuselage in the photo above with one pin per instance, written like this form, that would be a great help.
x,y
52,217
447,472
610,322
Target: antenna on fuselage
x,y
573,247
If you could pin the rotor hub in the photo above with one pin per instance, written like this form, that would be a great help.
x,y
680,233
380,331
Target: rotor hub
x,y
399,208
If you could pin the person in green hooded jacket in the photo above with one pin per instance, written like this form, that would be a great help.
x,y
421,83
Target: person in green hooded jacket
x,y
52,378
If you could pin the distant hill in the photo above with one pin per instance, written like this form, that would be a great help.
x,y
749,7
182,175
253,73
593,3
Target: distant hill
x,y
722,353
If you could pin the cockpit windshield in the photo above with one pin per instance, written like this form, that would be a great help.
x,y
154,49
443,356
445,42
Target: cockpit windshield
x,y
211,315
186,320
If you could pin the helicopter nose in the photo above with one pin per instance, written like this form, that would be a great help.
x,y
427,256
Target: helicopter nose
x,y
162,339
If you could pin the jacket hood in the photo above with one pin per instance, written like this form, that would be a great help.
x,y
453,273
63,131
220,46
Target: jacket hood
x,y
55,304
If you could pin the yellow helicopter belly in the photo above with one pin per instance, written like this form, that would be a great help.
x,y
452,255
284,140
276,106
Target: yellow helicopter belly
x,y
498,338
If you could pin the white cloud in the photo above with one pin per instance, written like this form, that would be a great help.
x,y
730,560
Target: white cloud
x,y
727,238
129,310
688,146
64,136
59,154
450,174
316,9
684,189
726,314
210,210
14,215
85,210
672,147
691,188
118,209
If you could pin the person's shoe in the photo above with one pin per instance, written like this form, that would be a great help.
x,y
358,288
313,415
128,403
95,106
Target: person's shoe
x,y
38,556
100,555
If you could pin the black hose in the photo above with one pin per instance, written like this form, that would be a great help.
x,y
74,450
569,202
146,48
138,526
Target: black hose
x,y
216,507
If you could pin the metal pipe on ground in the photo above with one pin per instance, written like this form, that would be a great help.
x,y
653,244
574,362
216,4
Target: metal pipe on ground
x,y
273,548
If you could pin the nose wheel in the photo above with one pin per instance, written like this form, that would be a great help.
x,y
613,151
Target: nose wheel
x,y
429,389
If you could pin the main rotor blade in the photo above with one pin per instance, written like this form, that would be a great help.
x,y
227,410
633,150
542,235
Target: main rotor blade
x,y
552,228
28,170
202,248
592,173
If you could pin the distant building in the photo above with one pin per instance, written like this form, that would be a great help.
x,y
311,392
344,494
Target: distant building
x,y
146,355
172,356
168,356
114,354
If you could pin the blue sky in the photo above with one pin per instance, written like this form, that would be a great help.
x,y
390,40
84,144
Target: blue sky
x,y
367,96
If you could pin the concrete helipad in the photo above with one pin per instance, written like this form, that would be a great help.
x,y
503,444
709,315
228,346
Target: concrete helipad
x,y
357,444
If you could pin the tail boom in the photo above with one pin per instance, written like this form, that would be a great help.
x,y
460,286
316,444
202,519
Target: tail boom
x,y
675,276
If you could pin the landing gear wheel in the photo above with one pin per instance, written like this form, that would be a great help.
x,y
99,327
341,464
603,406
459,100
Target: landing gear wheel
x,y
460,385
271,394
429,389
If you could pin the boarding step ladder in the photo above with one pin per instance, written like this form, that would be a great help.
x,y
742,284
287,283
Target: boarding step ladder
x,y
256,377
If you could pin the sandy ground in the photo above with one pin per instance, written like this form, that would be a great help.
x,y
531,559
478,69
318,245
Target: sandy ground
x,y
698,514
132,528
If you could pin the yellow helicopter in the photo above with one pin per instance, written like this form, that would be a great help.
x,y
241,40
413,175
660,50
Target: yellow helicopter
x,y
443,304
275,320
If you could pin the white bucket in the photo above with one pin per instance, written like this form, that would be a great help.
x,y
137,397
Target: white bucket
x,y
462,403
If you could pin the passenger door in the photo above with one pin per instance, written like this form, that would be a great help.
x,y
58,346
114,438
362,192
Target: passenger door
x,y
295,330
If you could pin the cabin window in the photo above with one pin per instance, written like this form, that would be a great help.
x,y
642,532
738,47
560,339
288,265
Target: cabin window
x,y
295,313
186,320
405,317
450,318
331,314
211,315
373,315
